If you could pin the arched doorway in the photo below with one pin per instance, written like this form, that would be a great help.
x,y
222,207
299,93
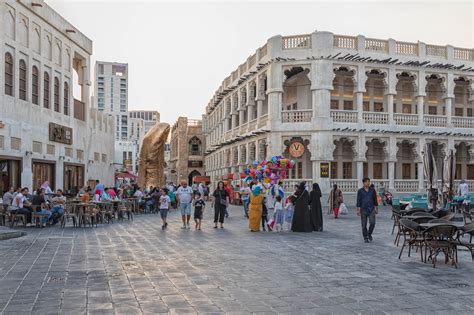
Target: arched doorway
x,y
191,175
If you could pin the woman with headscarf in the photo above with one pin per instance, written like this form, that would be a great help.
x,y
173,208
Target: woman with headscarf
x,y
301,219
47,190
335,199
315,211
255,208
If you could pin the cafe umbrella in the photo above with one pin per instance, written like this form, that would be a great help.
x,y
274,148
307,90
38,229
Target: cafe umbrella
x,y
448,171
431,174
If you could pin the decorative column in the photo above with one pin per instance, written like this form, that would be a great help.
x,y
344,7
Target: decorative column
x,y
421,172
275,94
321,76
321,147
260,97
361,79
448,100
391,162
250,103
392,90
420,98
361,158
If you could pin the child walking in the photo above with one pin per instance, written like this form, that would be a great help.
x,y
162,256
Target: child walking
x,y
165,205
279,215
289,212
199,206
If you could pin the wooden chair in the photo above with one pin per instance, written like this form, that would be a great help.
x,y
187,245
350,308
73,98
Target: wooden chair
x,y
412,237
69,213
441,239
3,214
36,217
127,209
15,218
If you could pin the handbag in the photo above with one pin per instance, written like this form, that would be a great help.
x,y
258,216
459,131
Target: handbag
x,y
222,202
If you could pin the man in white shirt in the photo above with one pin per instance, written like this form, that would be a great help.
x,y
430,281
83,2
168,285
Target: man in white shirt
x,y
184,196
21,205
463,189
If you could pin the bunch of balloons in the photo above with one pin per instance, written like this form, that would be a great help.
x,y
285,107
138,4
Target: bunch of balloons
x,y
269,171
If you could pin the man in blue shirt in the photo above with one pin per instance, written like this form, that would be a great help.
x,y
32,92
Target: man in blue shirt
x,y
99,186
367,208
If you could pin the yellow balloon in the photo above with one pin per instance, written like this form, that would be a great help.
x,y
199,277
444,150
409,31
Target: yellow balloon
x,y
266,180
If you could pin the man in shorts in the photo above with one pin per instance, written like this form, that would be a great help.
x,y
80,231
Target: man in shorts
x,y
184,196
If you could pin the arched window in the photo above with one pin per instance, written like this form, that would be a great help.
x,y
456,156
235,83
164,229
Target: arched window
x,y
46,90
8,74
66,98
56,94
34,85
22,85
194,146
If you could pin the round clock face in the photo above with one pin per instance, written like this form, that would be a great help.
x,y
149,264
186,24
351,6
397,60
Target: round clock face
x,y
296,149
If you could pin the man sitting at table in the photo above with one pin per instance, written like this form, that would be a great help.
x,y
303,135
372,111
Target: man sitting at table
x,y
58,206
463,189
139,195
22,205
41,206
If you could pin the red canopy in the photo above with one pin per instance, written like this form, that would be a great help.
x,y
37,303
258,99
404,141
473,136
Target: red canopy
x,y
125,174
231,176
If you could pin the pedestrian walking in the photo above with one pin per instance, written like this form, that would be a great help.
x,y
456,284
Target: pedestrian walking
x,y
301,220
255,208
367,208
165,206
221,202
245,196
199,206
315,210
184,196
279,215
335,199
289,211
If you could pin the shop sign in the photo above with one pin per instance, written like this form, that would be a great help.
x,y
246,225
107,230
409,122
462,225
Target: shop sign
x,y
194,163
324,170
58,133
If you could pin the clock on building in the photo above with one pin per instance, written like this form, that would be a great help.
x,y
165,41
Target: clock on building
x,y
296,149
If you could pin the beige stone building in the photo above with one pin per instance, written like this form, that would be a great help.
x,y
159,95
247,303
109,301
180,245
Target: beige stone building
x,y
186,150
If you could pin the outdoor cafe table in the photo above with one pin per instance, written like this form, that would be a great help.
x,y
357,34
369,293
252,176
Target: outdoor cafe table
x,y
79,210
457,224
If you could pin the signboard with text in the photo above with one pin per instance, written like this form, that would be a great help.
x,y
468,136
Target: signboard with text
x,y
194,163
324,170
58,133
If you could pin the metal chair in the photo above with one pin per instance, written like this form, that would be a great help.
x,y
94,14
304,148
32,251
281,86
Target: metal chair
x,y
412,236
441,239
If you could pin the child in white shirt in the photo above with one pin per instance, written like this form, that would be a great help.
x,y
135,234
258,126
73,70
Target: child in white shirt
x,y
279,214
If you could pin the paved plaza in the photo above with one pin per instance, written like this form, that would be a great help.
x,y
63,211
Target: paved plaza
x,y
136,268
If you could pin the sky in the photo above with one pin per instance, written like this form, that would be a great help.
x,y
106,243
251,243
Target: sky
x,y
178,52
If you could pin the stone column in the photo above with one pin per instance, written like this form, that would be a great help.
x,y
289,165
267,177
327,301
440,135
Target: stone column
x,y
241,116
360,106
322,76
449,111
321,148
275,93
250,103
360,172
391,175
391,121
361,150
420,104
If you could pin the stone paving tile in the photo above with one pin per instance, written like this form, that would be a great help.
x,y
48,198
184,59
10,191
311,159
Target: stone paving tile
x,y
136,268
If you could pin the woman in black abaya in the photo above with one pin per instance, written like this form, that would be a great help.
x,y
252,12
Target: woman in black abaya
x,y
301,220
315,211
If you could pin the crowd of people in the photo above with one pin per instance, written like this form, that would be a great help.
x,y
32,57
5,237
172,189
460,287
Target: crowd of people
x,y
265,205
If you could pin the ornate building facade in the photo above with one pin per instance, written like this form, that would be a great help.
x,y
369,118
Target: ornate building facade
x,y
48,130
345,107
186,157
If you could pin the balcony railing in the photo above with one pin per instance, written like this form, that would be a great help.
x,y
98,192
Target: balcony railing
x,y
375,118
289,184
344,116
346,185
297,41
346,42
79,110
436,51
404,48
378,45
253,124
263,121
463,54
378,182
435,121
463,122
406,185
296,116
406,119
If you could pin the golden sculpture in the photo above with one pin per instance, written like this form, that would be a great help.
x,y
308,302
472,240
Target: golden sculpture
x,y
152,158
